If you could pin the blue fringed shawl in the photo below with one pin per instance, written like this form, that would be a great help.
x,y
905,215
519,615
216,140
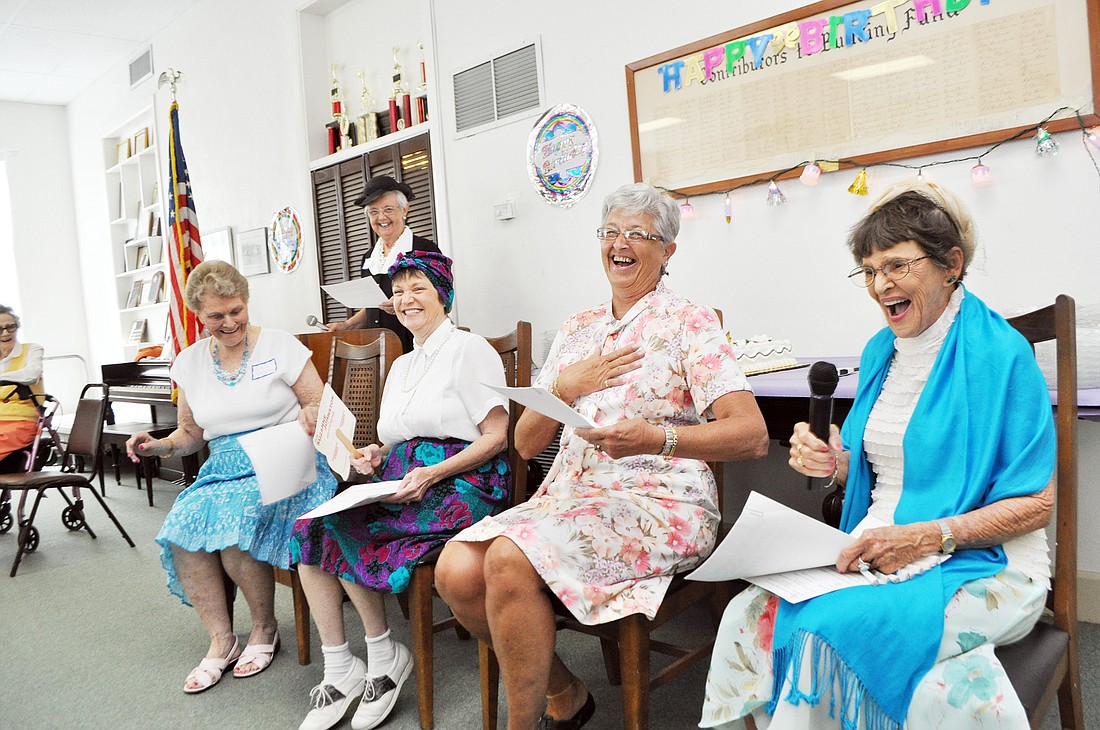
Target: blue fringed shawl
x,y
982,431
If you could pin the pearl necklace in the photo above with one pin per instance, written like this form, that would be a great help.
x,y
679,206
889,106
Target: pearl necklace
x,y
224,377
405,387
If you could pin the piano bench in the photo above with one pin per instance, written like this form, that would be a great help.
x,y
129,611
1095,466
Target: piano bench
x,y
115,436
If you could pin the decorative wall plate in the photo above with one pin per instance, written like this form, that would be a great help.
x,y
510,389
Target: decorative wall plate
x,y
286,239
561,154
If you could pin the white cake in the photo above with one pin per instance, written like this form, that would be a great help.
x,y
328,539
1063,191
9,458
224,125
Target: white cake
x,y
762,354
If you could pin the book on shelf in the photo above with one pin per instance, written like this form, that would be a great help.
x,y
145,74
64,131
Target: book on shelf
x,y
134,298
137,332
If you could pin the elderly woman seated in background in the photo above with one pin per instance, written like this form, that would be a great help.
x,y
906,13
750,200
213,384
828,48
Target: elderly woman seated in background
x,y
22,364
625,505
443,433
950,443
240,379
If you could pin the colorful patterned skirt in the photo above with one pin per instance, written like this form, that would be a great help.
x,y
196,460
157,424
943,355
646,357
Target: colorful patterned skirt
x,y
378,545
223,508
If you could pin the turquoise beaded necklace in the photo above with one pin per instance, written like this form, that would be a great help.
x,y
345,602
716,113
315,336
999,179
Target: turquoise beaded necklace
x,y
224,377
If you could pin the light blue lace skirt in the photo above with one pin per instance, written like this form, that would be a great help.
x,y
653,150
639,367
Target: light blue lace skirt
x,y
222,509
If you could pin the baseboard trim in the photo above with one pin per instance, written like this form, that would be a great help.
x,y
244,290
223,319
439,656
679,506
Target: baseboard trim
x,y
1088,596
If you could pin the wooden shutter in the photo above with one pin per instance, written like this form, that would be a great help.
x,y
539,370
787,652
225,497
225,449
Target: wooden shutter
x,y
343,234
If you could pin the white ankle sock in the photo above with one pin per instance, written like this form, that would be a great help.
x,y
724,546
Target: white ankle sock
x,y
380,654
338,662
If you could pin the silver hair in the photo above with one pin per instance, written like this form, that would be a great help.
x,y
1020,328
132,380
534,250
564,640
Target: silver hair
x,y
214,278
8,310
644,198
402,201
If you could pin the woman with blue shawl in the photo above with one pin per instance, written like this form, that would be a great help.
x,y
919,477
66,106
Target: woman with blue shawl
x,y
950,443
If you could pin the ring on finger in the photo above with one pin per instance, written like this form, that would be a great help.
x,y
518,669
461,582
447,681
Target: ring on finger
x,y
799,460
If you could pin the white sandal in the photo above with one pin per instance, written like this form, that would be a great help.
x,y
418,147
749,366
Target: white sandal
x,y
258,654
210,670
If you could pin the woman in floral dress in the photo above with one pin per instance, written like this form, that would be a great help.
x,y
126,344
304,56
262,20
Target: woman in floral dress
x,y
625,505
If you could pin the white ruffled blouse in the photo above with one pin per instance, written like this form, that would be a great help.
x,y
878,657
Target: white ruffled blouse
x,y
909,371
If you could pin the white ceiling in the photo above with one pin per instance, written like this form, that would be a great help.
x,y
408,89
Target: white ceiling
x,y
51,50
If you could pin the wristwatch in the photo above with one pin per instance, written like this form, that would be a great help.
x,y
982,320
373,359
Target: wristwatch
x,y
947,540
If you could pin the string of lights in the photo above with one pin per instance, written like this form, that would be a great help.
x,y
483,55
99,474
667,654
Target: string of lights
x,y
980,174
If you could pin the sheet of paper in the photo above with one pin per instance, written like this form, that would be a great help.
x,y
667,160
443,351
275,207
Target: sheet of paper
x,y
796,586
356,293
284,459
335,425
354,496
770,537
546,403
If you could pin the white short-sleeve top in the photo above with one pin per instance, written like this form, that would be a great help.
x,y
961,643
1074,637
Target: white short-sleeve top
x,y
262,398
436,390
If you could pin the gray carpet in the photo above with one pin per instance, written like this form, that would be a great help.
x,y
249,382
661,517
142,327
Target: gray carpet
x,y
91,639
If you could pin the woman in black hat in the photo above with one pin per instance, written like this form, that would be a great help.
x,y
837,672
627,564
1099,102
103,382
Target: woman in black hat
x,y
386,204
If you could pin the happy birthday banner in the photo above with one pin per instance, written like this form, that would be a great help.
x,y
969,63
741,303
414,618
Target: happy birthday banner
x,y
884,79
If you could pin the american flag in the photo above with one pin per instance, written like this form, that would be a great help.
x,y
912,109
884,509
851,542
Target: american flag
x,y
186,250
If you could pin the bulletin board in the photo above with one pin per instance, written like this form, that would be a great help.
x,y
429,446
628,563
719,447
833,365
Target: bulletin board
x,y
875,80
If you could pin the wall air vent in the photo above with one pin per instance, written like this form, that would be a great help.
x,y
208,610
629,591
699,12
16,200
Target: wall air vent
x,y
141,67
501,89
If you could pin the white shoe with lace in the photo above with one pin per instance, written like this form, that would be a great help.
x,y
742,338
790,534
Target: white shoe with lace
x,y
380,693
331,702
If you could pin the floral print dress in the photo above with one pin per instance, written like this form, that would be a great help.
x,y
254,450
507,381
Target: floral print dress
x,y
608,534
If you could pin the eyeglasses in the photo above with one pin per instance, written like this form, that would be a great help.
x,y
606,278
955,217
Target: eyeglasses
x,y
388,210
865,276
610,234
8,327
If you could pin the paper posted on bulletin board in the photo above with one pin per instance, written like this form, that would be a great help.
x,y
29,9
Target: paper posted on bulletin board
x,y
863,78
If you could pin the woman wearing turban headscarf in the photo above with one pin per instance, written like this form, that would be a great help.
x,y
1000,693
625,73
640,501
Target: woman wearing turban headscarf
x,y
443,433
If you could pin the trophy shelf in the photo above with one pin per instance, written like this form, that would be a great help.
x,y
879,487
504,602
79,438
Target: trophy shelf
x,y
375,144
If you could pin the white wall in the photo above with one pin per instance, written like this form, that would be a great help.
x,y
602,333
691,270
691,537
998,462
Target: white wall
x,y
44,229
243,136
778,271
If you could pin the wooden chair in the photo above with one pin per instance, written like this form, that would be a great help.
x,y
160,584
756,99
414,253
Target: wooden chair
x,y
356,364
515,350
1045,662
627,644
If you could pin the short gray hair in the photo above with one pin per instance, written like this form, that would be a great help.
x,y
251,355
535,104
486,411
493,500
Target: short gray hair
x,y
644,198
8,310
214,278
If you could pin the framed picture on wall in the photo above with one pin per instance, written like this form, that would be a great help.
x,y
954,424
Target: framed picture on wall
x,y
251,250
217,245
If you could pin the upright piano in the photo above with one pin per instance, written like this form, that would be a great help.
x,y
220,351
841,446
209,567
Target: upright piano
x,y
146,382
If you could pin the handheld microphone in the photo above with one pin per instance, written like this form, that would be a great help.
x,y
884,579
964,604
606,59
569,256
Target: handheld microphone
x,y
823,378
314,322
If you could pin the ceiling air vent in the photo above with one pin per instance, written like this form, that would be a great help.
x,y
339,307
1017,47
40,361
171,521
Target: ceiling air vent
x,y
141,67
502,89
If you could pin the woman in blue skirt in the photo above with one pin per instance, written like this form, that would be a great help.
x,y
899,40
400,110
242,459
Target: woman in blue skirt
x,y
443,434
240,379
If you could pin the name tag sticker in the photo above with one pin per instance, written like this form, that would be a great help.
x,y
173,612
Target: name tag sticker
x,y
263,369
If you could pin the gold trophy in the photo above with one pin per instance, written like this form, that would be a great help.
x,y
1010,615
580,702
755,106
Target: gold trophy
x,y
421,102
399,98
367,123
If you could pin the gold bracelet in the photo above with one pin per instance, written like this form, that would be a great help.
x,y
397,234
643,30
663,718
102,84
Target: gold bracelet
x,y
836,470
171,447
554,390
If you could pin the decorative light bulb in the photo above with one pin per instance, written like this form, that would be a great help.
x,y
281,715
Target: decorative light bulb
x,y
1093,138
810,174
729,209
687,211
1045,145
859,186
775,195
981,176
